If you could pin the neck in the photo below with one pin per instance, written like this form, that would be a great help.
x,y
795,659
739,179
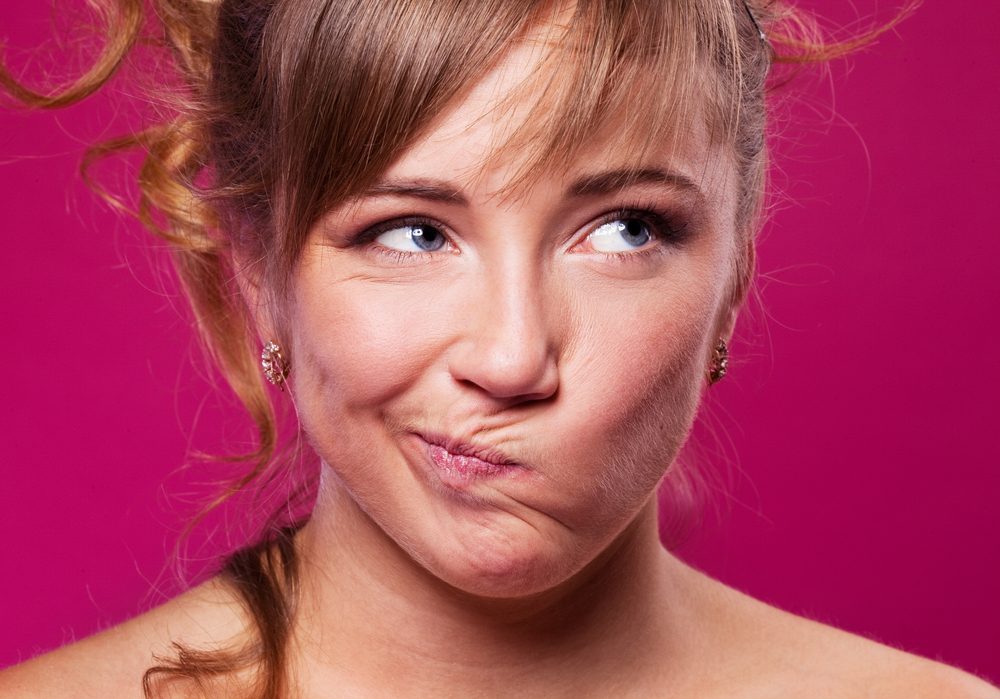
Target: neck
x,y
371,617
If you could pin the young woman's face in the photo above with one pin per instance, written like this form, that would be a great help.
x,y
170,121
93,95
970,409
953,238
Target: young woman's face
x,y
500,384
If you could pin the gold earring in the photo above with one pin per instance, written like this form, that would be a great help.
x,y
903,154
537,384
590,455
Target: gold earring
x,y
275,365
720,362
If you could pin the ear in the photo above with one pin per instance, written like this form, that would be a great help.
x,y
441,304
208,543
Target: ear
x,y
250,280
742,280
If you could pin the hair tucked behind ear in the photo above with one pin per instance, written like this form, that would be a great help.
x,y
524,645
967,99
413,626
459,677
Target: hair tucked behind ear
x,y
253,149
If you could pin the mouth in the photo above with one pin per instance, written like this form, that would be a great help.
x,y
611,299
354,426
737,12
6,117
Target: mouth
x,y
459,464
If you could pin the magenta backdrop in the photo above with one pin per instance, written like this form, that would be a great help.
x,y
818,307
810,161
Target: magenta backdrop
x,y
860,402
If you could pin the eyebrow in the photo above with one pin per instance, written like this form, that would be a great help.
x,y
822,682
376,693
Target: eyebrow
x,y
433,190
614,180
604,182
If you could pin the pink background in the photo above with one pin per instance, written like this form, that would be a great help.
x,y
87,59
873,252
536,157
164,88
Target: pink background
x,y
855,436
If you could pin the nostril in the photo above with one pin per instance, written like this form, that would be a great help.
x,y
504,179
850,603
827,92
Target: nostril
x,y
527,373
508,346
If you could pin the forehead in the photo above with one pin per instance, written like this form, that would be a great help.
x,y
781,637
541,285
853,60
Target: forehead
x,y
531,87
496,141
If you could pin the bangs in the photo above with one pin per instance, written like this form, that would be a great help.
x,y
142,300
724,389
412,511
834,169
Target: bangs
x,y
636,77
649,69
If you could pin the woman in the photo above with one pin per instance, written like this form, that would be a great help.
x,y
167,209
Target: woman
x,y
492,258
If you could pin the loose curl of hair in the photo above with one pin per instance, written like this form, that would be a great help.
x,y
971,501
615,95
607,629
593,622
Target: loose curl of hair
x,y
282,109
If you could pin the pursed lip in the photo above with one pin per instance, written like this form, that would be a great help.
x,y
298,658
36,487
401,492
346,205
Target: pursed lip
x,y
458,448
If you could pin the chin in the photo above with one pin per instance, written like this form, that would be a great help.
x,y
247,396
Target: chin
x,y
504,567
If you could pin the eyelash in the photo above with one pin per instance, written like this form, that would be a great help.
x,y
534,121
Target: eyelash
x,y
665,227
367,237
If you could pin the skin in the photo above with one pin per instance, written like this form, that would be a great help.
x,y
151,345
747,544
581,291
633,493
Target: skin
x,y
517,335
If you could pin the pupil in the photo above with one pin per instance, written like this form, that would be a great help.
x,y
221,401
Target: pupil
x,y
634,232
426,237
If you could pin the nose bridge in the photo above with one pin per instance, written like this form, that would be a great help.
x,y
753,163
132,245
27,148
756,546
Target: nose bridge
x,y
510,329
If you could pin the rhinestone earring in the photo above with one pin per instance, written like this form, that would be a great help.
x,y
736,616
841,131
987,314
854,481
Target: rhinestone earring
x,y
720,362
275,365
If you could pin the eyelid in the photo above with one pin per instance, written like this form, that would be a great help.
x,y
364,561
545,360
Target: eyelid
x,y
666,226
366,239
372,232
408,230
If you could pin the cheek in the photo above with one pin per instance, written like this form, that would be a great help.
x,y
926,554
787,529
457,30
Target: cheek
x,y
354,352
639,368
355,342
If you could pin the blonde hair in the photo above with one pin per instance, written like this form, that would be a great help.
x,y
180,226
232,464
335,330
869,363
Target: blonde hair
x,y
256,148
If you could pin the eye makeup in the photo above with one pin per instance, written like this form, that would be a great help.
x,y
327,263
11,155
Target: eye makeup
x,y
666,229
365,239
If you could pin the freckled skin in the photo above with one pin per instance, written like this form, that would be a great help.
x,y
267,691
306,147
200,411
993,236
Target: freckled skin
x,y
518,337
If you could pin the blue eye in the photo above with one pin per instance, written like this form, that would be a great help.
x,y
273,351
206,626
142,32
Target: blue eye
x,y
621,235
412,238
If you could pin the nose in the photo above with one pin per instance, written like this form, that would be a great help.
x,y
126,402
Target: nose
x,y
507,342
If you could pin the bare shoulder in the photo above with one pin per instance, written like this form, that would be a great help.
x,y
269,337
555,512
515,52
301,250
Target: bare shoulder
x,y
789,655
844,664
112,662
